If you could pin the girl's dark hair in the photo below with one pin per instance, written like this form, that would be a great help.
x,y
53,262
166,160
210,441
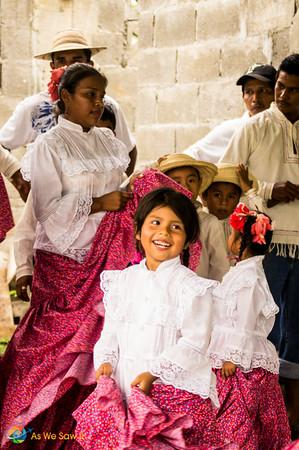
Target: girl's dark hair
x,y
72,76
108,115
180,205
246,238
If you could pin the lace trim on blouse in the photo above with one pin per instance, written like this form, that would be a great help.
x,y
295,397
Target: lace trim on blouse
x,y
76,158
171,373
245,360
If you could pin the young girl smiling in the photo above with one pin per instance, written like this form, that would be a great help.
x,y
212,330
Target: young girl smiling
x,y
154,341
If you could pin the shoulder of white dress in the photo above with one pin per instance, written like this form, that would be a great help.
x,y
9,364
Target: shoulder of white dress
x,y
194,284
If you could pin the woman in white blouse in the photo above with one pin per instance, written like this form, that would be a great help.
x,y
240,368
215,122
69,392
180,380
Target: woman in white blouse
x,y
156,332
252,412
75,171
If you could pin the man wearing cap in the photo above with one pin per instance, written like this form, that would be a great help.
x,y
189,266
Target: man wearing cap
x,y
258,93
269,145
35,114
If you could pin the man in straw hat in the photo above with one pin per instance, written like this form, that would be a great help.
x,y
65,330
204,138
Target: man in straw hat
x,y
196,176
257,92
35,114
269,145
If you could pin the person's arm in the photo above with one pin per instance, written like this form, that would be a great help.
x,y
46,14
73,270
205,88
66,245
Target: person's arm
x,y
185,364
10,167
18,131
24,238
106,351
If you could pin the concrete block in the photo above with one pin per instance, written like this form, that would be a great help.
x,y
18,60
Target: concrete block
x,y
146,106
121,82
187,135
111,15
16,43
128,105
175,26
16,78
198,63
115,48
220,102
157,67
281,45
156,4
238,56
294,33
146,29
131,44
217,18
177,104
268,15
155,141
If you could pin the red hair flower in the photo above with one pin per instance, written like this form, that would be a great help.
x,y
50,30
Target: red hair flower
x,y
238,217
53,84
260,228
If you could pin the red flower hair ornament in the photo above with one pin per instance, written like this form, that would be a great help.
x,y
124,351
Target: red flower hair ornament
x,y
258,229
53,84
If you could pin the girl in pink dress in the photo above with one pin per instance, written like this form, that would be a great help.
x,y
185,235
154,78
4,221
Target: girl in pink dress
x,y
252,411
155,382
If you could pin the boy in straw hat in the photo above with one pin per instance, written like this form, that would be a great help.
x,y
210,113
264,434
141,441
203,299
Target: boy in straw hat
x,y
196,176
224,193
35,115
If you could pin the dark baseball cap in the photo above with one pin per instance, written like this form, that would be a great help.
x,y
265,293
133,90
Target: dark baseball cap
x,y
262,72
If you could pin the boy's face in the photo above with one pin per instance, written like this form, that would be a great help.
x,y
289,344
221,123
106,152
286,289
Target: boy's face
x,y
68,57
222,198
188,177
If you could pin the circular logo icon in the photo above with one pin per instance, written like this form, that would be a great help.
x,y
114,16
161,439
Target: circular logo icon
x,y
17,434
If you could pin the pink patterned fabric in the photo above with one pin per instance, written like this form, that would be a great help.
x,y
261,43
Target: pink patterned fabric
x,y
252,411
52,347
168,418
6,219
292,446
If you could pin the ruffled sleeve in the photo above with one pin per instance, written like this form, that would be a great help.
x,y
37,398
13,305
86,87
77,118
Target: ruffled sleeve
x,y
106,349
185,364
62,216
240,334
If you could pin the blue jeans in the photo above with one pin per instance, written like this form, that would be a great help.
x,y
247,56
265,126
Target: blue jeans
x,y
283,277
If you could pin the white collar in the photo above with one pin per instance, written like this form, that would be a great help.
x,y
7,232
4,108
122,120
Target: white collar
x,y
65,123
165,265
252,260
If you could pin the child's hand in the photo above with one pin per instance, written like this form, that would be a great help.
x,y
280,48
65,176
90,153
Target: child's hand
x,y
144,381
228,369
104,369
245,182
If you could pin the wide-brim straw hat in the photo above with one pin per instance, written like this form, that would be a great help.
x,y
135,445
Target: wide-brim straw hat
x,y
69,40
206,170
227,173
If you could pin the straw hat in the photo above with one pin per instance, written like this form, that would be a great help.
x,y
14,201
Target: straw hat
x,y
206,170
227,173
69,40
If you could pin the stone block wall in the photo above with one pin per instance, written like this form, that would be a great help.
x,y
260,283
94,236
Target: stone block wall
x,y
190,56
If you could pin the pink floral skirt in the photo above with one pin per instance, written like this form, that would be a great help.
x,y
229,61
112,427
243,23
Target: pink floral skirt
x,y
168,418
252,411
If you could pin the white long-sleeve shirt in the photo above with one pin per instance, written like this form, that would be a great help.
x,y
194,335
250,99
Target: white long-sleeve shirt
x,y
69,167
244,315
213,263
164,329
212,146
268,143
8,163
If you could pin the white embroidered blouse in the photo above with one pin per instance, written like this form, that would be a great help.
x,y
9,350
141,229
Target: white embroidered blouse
x,y
158,321
67,168
244,315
